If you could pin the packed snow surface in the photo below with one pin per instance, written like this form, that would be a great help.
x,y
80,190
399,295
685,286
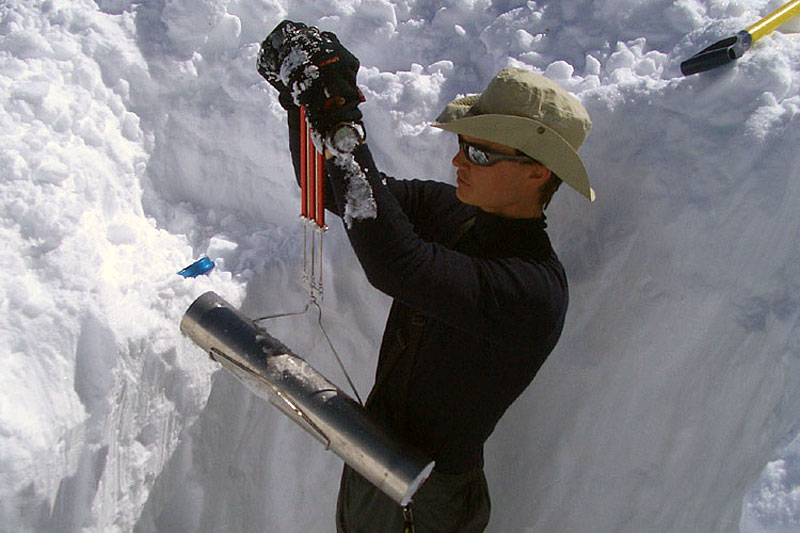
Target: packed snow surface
x,y
137,136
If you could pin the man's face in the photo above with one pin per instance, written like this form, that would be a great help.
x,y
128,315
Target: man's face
x,y
506,188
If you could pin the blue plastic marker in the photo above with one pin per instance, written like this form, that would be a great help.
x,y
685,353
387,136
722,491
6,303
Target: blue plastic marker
x,y
199,267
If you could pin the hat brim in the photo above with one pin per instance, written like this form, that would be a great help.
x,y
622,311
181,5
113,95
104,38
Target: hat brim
x,y
544,144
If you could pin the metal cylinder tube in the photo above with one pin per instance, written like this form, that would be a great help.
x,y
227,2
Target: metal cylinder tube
x,y
274,373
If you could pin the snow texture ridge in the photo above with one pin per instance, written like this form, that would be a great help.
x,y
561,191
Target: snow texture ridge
x,y
138,136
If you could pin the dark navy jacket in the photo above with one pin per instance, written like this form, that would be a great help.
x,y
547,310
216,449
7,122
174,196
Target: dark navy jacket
x,y
474,316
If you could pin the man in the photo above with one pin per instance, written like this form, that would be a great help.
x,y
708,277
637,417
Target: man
x,y
479,294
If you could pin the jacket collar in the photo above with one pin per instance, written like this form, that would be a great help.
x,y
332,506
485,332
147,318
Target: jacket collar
x,y
511,236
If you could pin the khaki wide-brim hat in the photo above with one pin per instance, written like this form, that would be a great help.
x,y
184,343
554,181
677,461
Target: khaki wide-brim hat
x,y
531,113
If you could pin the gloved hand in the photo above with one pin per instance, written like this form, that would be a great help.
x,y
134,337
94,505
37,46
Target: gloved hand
x,y
312,68
274,50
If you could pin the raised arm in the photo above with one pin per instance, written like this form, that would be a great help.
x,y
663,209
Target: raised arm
x,y
507,300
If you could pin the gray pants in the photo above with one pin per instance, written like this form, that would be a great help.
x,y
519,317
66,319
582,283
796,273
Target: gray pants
x,y
445,503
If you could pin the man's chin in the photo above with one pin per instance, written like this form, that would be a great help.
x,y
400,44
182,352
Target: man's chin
x,y
463,194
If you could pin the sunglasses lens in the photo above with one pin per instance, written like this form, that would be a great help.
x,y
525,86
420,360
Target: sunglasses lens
x,y
479,157
485,158
475,155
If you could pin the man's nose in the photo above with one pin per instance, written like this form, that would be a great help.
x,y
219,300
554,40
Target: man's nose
x,y
460,160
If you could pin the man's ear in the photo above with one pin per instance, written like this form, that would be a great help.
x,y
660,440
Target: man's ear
x,y
540,173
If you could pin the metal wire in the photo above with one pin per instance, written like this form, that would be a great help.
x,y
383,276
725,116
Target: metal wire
x,y
313,301
281,315
335,353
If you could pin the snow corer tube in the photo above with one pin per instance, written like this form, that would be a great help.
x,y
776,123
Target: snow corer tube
x,y
272,372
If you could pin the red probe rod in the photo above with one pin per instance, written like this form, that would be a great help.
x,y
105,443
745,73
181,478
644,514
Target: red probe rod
x,y
303,163
320,219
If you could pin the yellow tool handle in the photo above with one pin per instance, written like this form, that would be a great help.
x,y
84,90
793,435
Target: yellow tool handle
x,y
775,19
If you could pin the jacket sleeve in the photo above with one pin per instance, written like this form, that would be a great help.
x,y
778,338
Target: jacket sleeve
x,y
505,300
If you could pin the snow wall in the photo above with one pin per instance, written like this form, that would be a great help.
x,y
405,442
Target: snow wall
x,y
137,137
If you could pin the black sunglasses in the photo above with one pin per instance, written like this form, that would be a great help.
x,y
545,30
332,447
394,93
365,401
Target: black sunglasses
x,y
485,158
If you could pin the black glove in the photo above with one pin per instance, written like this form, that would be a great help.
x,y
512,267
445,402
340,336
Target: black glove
x,y
312,68
274,50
